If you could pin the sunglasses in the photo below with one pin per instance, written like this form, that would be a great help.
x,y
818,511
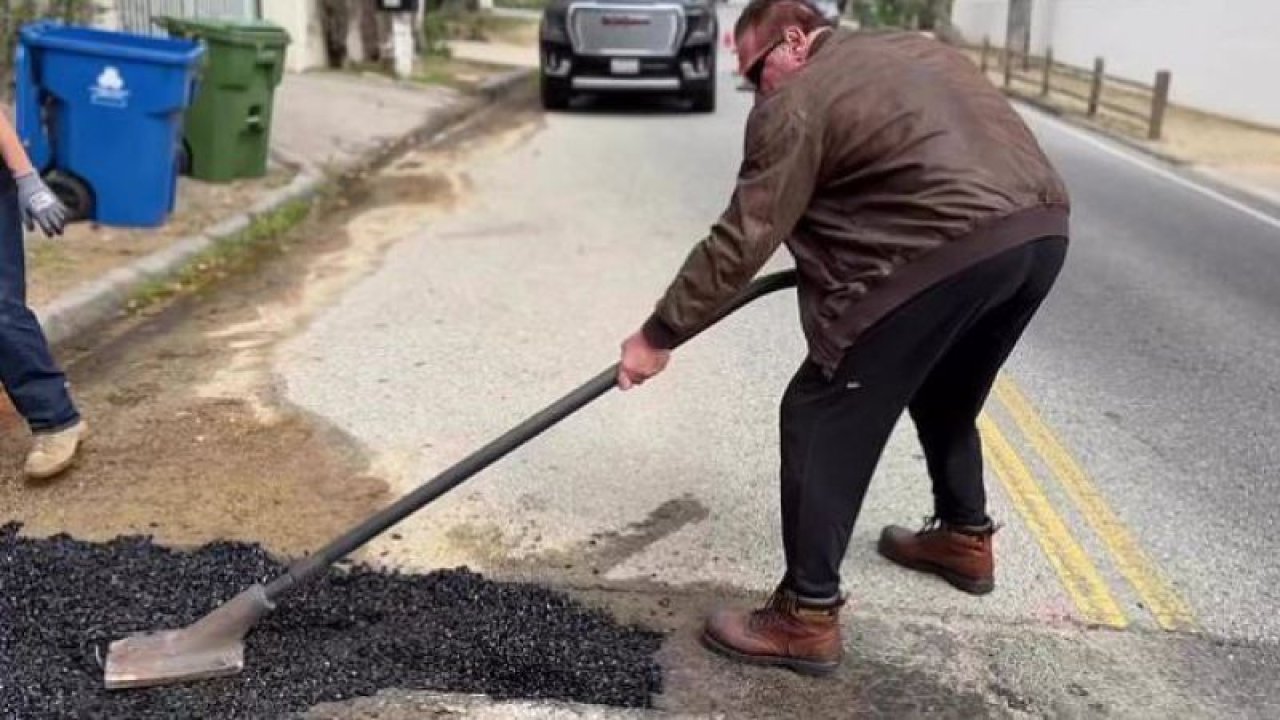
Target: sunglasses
x,y
755,73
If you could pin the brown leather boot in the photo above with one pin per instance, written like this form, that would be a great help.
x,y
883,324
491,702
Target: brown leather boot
x,y
784,633
959,554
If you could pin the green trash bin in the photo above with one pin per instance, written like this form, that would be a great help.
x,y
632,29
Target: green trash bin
x,y
228,128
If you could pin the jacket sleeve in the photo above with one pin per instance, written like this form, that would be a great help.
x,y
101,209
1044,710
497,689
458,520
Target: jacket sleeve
x,y
781,160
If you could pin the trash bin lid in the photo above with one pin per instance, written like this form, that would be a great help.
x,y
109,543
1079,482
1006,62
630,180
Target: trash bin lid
x,y
225,30
88,41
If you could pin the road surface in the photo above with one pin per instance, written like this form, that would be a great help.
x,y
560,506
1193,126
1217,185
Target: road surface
x,y
1130,441
1130,444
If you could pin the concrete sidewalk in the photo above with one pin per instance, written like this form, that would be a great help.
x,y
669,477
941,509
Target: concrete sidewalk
x,y
333,120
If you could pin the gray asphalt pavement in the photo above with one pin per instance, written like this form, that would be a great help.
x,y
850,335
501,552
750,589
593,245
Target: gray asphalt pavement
x,y
1157,361
1132,443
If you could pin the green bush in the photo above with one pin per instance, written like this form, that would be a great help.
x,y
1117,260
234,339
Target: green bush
x,y
914,14
435,34
521,4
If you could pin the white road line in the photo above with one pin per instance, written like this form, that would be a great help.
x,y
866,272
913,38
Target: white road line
x,y
1110,149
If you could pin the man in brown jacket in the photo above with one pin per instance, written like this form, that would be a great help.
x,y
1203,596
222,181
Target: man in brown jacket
x,y
926,226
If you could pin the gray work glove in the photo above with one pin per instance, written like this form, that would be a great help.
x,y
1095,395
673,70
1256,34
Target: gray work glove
x,y
40,206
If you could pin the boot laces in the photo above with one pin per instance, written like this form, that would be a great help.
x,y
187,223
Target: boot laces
x,y
779,608
933,523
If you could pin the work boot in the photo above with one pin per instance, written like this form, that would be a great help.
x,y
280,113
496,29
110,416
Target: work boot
x,y
784,633
53,452
959,554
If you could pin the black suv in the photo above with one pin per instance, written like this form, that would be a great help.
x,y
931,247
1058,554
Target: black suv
x,y
614,46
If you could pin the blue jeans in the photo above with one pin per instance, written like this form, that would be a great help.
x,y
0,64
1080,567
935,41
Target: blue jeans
x,y
34,382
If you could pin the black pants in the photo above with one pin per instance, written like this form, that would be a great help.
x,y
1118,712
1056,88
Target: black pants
x,y
938,356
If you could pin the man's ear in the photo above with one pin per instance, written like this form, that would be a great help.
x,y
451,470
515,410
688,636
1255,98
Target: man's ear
x,y
797,43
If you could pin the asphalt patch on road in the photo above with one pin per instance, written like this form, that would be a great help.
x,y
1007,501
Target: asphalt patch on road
x,y
349,634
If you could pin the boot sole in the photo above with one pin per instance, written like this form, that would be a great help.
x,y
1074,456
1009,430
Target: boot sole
x,y
61,468
39,477
981,586
810,668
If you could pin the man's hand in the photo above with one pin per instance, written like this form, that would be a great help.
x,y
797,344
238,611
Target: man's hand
x,y
640,361
40,205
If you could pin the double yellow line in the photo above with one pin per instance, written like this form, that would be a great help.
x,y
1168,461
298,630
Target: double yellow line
x,y
1077,571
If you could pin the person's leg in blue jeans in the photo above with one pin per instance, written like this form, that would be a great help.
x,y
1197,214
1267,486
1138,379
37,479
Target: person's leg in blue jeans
x,y
34,382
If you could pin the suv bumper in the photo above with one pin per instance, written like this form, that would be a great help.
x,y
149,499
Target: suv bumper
x,y
691,70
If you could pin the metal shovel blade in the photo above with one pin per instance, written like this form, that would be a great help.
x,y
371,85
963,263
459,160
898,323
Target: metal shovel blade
x,y
211,647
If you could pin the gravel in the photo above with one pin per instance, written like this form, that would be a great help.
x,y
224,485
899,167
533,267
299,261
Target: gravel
x,y
349,634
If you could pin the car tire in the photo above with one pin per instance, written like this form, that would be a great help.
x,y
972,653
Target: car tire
x,y
555,96
704,100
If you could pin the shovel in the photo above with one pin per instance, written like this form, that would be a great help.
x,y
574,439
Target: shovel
x,y
213,646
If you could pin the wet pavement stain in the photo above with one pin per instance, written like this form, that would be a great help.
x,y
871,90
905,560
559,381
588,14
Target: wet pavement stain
x,y
507,550
605,551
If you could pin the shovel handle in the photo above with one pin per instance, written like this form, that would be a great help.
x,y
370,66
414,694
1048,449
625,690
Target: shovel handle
x,y
307,567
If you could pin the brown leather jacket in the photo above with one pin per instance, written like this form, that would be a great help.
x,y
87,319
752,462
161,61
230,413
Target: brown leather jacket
x,y
886,165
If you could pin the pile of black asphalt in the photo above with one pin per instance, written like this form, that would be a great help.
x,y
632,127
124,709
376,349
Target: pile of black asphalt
x,y
349,634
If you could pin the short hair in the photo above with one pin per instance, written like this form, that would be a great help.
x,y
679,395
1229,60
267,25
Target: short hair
x,y
771,17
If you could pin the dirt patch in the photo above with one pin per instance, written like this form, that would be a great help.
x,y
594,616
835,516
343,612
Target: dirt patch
x,y
160,460
189,441
87,251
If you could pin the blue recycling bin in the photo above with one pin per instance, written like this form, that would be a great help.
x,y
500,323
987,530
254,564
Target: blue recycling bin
x,y
101,114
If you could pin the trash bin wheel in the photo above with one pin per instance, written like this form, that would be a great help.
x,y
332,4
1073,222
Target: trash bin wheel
x,y
74,193
184,158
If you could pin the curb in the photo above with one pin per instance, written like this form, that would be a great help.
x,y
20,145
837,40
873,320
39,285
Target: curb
x,y
85,307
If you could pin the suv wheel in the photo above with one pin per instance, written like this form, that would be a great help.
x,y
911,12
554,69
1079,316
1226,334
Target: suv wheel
x,y
554,96
704,100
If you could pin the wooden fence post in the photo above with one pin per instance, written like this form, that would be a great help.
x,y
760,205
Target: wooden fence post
x,y
1095,91
1159,103
1008,65
986,48
1048,72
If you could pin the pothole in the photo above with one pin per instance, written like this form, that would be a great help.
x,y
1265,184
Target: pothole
x,y
349,634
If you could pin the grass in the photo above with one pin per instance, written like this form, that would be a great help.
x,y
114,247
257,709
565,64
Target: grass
x,y
484,27
438,71
228,255
460,75
47,254
521,4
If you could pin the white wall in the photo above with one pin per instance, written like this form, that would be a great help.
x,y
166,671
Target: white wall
x,y
107,16
1223,54
301,19
976,19
1042,25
